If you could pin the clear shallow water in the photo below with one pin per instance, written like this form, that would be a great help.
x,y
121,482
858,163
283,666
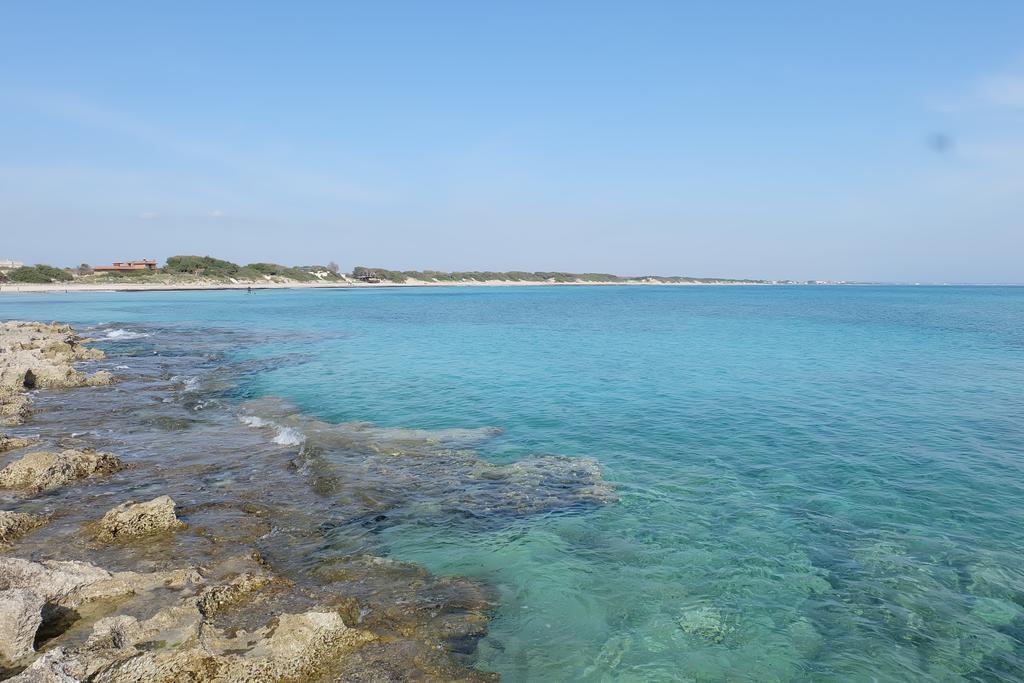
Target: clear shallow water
x,y
815,483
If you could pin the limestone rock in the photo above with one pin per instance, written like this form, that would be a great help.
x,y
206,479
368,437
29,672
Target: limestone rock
x,y
71,583
53,667
13,443
121,648
40,356
14,406
45,470
21,613
139,519
16,524
174,626
100,378
55,581
215,598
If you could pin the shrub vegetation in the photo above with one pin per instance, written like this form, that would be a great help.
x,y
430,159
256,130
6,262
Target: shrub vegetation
x,y
39,274
201,265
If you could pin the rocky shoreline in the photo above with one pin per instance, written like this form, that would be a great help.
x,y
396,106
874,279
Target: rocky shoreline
x,y
223,615
154,529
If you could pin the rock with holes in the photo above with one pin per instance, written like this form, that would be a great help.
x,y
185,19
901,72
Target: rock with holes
x,y
301,646
13,525
132,519
14,406
13,443
214,599
21,613
45,470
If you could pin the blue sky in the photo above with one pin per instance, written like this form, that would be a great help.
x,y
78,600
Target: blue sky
x,y
870,140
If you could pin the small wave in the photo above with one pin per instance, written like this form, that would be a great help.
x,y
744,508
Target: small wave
x,y
122,367
120,334
189,382
286,436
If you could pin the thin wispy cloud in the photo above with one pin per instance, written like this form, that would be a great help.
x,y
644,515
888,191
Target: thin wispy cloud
x,y
82,111
992,91
267,175
1005,91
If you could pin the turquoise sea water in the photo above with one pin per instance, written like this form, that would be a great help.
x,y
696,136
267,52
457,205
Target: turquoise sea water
x,y
815,483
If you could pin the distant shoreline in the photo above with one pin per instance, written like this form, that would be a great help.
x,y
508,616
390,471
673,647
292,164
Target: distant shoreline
x,y
57,288
26,288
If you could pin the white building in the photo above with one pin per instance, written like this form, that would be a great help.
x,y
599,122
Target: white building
x,y
10,264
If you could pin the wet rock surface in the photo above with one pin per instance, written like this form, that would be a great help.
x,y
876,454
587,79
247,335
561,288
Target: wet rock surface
x,y
280,572
14,406
13,443
133,519
45,470
13,525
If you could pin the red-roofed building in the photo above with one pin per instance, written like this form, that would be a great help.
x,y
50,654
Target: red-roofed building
x,y
127,265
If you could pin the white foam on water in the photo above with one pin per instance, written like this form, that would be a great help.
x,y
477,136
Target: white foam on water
x,y
120,334
254,421
189,382
286,436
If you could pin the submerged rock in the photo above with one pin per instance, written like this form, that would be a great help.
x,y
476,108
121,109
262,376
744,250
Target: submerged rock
x,y
706,623
139,519
401,472
16,524
21,614
45,470
437,617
